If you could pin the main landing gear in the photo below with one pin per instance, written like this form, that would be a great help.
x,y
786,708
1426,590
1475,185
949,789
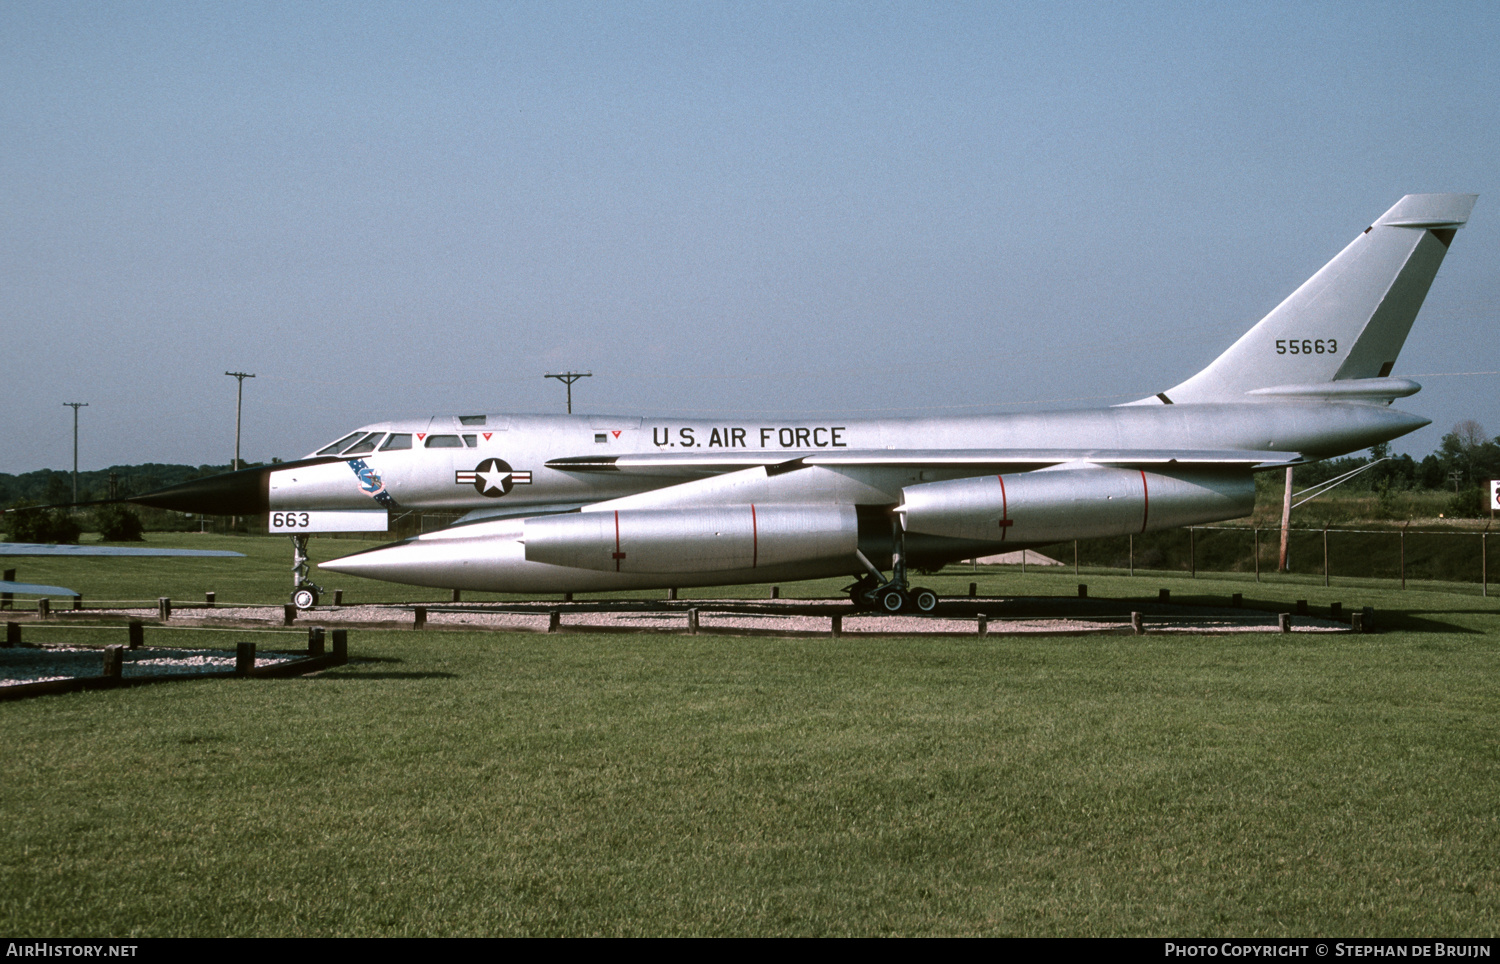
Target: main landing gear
x,y
305,592
893,595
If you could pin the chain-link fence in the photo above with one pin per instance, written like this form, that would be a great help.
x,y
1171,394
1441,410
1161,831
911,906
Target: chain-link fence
x,y
1397,553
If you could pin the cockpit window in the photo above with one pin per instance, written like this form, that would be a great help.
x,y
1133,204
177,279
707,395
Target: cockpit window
x,y
400,440
471,420
471,441
336,446
366,444
444,442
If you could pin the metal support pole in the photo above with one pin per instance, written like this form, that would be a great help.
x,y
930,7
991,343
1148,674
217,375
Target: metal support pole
x,y
1325,556
1403,555
1257,553
1286,521
1192,552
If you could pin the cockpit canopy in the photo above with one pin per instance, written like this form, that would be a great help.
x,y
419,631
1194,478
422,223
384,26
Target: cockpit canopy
x,y
364,441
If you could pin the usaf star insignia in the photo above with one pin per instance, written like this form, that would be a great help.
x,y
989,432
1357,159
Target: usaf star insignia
x,y
492,478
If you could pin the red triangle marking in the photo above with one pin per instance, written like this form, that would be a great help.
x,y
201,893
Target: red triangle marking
x,y
421,436
617,434
487,435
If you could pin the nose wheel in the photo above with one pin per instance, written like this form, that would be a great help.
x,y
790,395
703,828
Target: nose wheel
x,y
304,590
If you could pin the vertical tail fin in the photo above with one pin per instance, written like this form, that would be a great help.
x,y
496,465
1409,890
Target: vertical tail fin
x,y
1346,322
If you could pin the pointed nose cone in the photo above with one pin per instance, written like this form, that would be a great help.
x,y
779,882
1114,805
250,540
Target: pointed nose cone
x,y
246,492
414,563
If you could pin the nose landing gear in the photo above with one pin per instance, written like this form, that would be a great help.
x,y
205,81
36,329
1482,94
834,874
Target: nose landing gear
x,y
304,591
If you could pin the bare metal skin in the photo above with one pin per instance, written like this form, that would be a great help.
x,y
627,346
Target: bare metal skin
x,y
579,503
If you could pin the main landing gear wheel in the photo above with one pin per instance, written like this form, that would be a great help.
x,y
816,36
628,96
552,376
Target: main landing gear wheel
x,y
924,599
305,598
892,601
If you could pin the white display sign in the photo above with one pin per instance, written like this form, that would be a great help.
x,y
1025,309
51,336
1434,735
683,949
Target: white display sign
x,y
1495,495
329,520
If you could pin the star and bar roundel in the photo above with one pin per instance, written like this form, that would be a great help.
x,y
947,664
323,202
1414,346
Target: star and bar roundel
x,y
492,478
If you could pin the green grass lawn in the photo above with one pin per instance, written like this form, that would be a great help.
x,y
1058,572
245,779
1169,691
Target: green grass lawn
x,y
528,784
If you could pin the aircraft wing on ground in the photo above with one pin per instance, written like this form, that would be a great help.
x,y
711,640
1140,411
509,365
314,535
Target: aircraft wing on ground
x,y
34,589
51,549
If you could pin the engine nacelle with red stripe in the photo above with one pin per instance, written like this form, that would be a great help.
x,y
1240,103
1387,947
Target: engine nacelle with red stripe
x,y
1076,502
716,539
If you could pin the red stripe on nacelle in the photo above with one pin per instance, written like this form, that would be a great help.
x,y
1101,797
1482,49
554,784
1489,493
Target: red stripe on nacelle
x,y
754,538
1145,502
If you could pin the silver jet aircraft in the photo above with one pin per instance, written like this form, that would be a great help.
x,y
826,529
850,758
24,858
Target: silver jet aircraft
x,y
591,503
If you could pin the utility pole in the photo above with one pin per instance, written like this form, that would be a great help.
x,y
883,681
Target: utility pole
x,y
239,399
75,406
568,378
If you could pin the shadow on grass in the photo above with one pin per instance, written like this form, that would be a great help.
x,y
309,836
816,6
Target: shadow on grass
x,y
341,674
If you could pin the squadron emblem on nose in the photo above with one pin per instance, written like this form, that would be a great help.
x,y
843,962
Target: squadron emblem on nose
x,y
492,478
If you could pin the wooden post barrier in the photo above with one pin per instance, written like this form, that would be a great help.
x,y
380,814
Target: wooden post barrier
x,y
288,614
208,599
78,601
982,625
457,596
137,634
341,645
1164,595
671,595
1302,607
316,637
1137,624
1369,614
554,620
1336,610
1083,590
1357,622
973,590
338,597
1237,600
114,661
244,658
419,617
163,608
775,592
44,607
12,634
692,622
8,600
836,626
1284,621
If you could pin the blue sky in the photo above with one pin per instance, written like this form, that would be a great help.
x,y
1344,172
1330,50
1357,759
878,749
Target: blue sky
x,y
868,209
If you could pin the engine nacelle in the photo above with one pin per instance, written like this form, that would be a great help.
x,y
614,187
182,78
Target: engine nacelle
x,y
717,539
1055,505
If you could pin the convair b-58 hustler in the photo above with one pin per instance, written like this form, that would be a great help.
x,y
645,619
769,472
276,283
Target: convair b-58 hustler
x,y
590,503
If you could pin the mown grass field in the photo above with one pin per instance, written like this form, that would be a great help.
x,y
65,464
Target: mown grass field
x,y
525,784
